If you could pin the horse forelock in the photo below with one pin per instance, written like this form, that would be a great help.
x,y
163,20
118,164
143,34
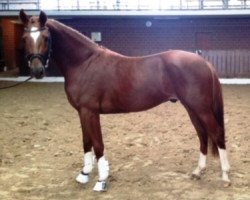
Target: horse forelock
x,y
33,22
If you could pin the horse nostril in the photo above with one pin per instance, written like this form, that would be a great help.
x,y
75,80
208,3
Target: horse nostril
x,y
39,73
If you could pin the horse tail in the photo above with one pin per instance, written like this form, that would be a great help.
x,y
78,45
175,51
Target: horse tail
x,y
218,111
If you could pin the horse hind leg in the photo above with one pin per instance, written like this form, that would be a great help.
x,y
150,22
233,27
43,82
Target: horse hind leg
x,y
217,137
203,138
199,170
224,166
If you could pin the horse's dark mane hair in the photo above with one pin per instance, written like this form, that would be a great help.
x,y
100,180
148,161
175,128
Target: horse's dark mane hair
x,y
74,33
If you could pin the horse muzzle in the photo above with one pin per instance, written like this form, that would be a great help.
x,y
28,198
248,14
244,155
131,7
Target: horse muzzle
x,y
38,73
37,70
37,64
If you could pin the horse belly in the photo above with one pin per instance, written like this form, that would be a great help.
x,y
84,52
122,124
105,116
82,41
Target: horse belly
x,y
145,101
133,102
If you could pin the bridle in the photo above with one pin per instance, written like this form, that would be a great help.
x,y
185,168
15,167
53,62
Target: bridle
x,y
44,58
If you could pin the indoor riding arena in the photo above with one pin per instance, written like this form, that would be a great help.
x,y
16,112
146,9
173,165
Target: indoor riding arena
x,y
45,133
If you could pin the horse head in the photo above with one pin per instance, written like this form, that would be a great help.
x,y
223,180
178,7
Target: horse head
x,y
37,42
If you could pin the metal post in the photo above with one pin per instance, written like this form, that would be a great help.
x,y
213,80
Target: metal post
x,y
201,4
245,4
118,4
225,4
159,4
38,5
77,5
97,4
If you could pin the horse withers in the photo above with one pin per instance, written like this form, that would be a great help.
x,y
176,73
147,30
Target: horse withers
x,y
100,81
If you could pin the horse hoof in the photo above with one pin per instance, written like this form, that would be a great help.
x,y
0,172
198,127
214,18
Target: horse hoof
x,y
195,177
82,178
226,184
100,186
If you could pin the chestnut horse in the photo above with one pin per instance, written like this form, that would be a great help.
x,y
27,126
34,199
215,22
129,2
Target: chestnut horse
x,y
100,81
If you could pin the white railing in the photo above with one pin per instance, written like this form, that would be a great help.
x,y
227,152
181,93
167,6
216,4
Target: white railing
x,y
123,4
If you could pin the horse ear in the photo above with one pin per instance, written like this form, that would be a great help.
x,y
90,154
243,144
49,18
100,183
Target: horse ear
x,y
23,17
42,18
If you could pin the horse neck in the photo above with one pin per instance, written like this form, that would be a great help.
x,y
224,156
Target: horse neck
x,y
70,49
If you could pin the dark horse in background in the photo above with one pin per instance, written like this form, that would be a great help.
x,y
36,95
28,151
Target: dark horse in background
x,y
100,81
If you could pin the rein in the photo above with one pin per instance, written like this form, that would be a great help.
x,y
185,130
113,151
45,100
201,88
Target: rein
x,y
16,84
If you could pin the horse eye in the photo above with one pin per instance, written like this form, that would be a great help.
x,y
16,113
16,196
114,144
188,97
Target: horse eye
x,y
24,40
46,39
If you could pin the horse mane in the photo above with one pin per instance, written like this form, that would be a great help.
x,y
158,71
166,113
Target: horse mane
x,y
81,38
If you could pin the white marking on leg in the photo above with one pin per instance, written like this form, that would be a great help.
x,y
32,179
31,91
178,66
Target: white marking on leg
x,y
224,164
103,172
83,177
202,161
201,166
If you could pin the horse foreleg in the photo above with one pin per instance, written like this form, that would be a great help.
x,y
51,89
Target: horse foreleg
x,y
92,136
83,177
103,172
102,163
88,158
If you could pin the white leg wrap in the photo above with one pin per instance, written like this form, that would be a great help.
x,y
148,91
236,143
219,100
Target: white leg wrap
x,y
103,172
83,177
224,165
88,163
201,166
103,169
